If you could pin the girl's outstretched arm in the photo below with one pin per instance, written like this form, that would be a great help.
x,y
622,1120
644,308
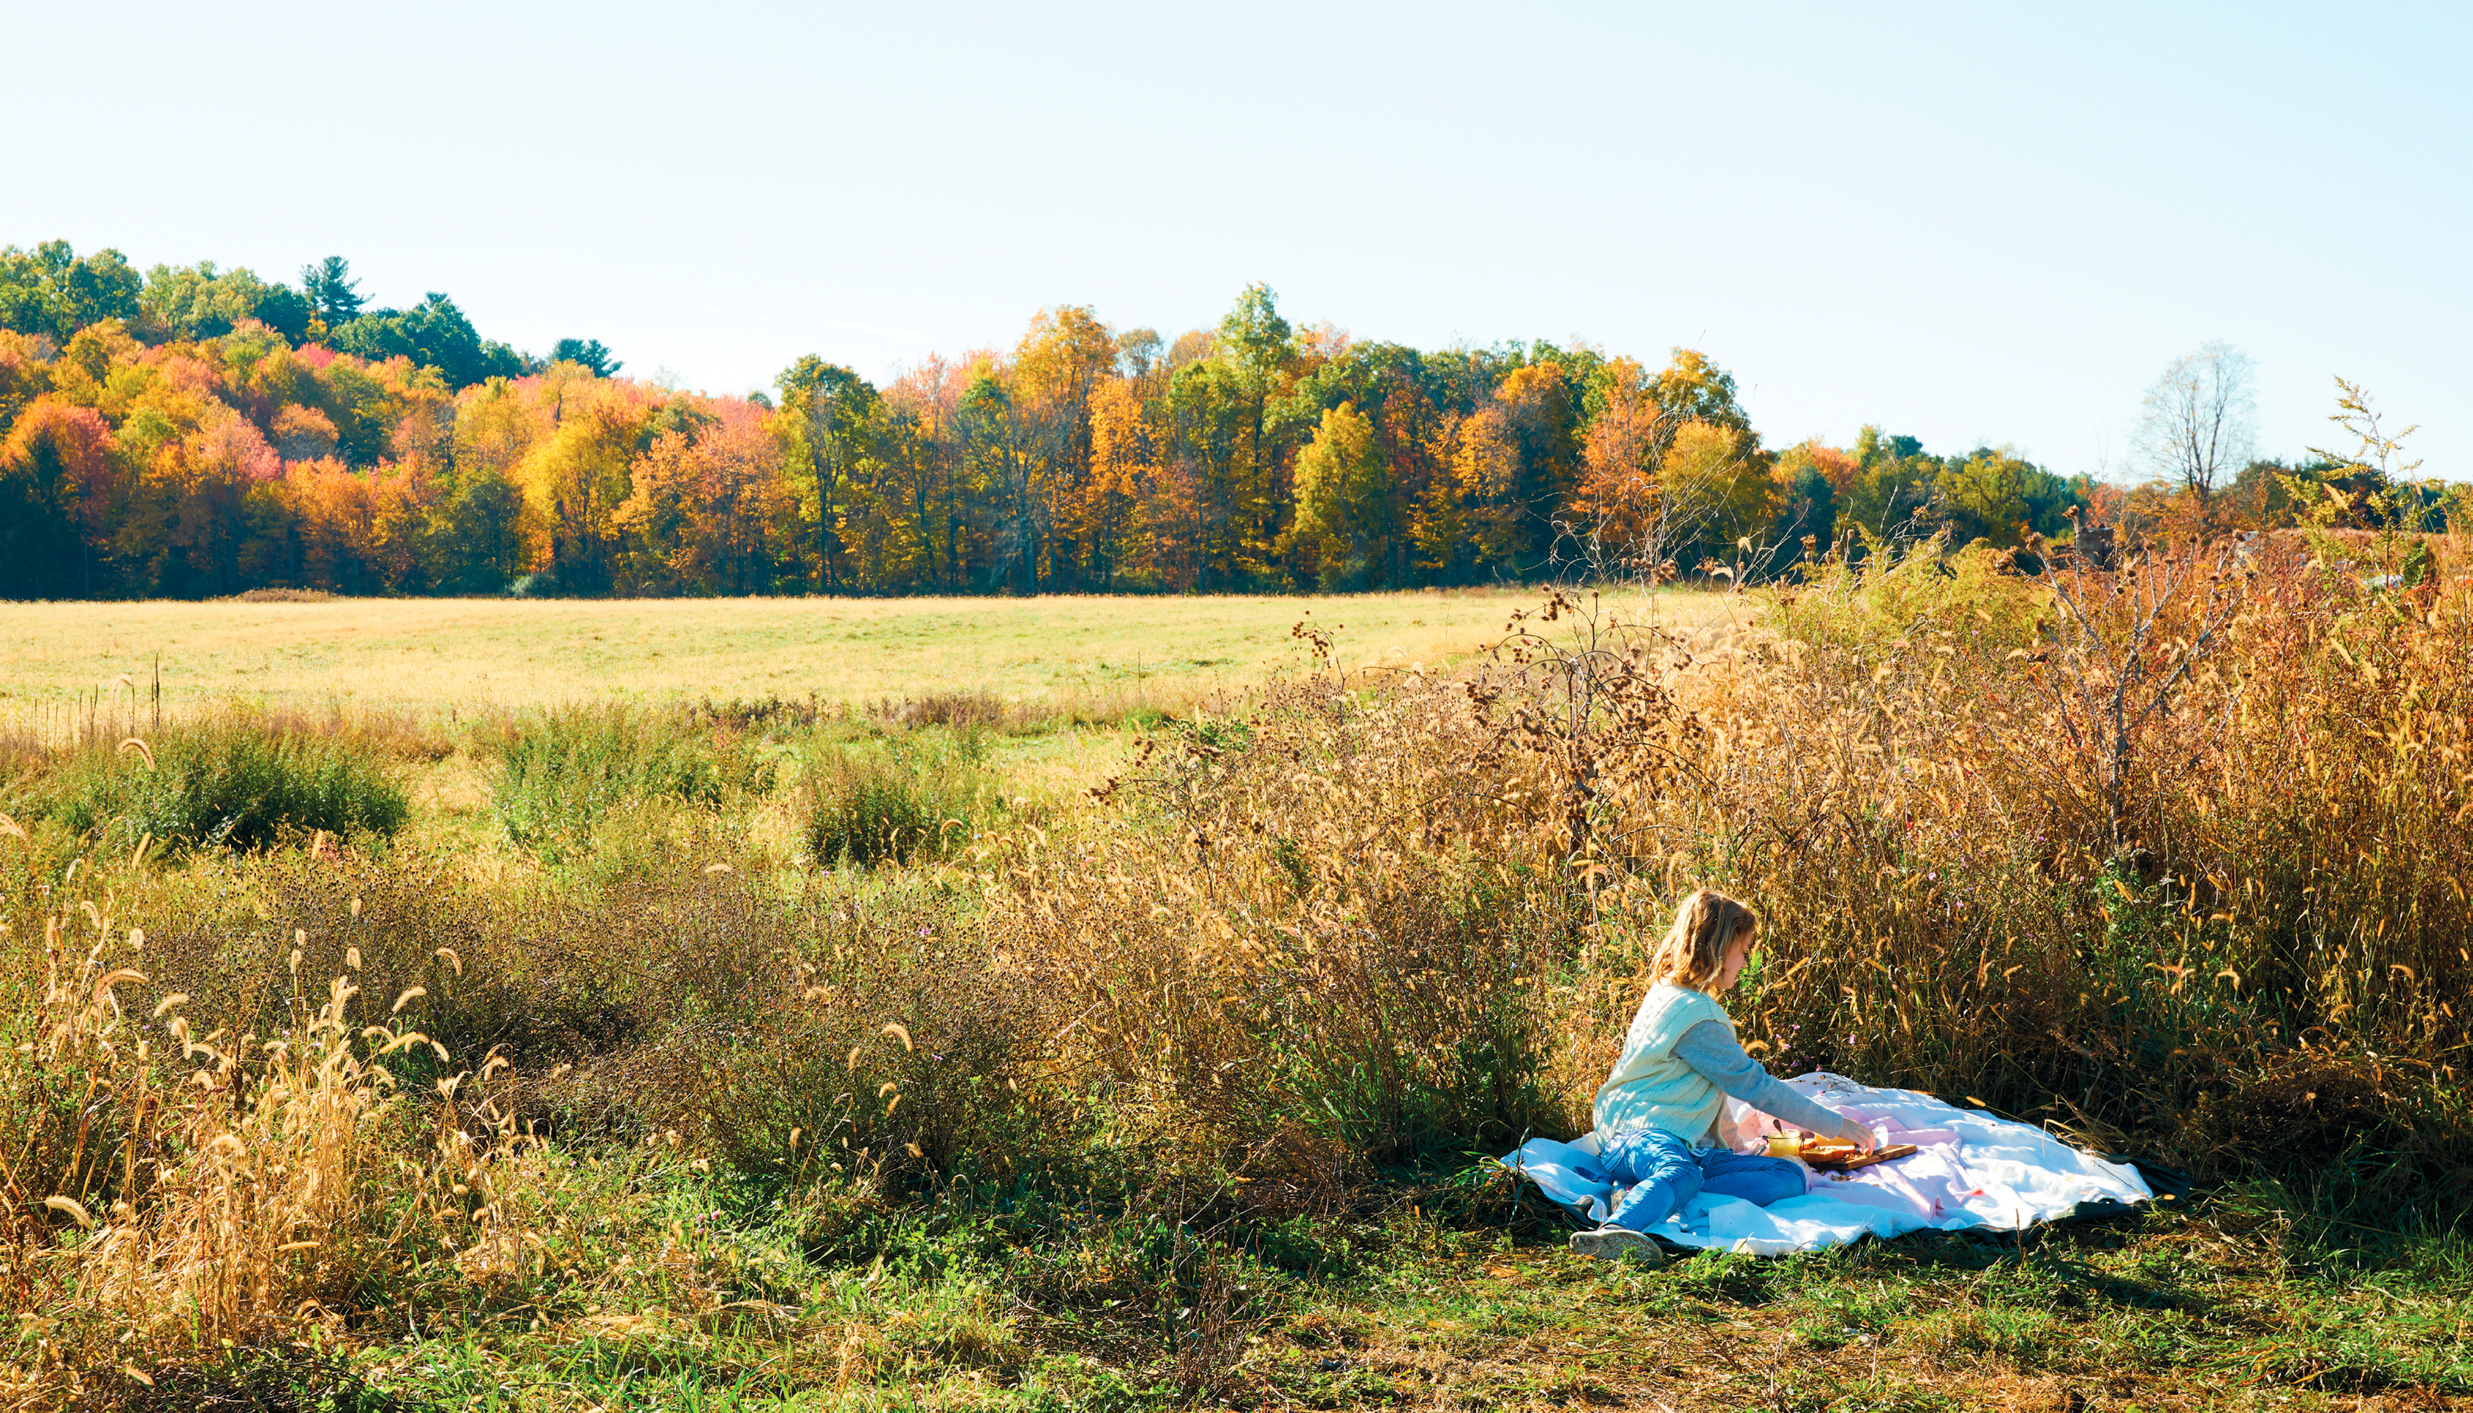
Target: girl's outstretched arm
x,y
1711,1048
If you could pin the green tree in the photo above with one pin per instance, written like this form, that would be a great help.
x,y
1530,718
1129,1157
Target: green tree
x,y
50,291
1205,423
1344,510
198,302
331,290
481,538
1257,347
587,354
1807,506
433,334
1896,490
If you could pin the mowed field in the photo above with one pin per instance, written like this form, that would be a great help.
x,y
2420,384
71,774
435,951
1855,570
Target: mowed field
x,y
478,653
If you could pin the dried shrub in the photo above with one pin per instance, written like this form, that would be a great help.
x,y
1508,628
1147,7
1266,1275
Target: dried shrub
x,y
899,1044
584,991
2123,930
277,1378
278,596
377,731
491,971
222,1185
70,1112
779,714
1291,956
1864,607
951,710
1143,704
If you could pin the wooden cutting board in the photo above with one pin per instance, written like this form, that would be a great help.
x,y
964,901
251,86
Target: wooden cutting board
x,y
1843,1158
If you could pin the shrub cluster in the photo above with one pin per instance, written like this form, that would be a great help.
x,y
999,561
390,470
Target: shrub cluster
x,y
2183,870
562,772
891,800
237,783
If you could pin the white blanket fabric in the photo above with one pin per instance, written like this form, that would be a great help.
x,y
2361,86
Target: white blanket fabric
x,y
1971,1170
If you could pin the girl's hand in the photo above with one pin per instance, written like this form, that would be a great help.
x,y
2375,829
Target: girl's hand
x,y
1860,1135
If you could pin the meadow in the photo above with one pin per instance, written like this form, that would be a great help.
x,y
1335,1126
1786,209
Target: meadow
x,y
492,654
1111,1005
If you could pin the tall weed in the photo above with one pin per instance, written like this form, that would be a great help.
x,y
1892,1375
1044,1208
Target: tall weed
x,y
217,1186
2190,877
1865,606
1318,939
898,1042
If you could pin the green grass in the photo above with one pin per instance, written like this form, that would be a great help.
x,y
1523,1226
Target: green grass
x,y
918,795
562,773
1069,1307
233,784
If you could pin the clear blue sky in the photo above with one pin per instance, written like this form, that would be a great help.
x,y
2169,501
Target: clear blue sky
x,y
1967,222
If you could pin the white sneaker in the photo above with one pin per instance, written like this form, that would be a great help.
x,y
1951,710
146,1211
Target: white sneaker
x,y
1618,1244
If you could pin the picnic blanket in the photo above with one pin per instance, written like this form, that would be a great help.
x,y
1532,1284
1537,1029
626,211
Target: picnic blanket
x,y
1970,1169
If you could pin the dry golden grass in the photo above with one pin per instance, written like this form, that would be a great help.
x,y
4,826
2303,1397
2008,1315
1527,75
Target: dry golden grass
x,y
253,1175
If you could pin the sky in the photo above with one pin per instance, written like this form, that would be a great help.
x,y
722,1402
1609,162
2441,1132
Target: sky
x,y
1976,224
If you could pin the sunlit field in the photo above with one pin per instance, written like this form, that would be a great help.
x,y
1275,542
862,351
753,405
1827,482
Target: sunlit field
x,y
475,654
1063,1004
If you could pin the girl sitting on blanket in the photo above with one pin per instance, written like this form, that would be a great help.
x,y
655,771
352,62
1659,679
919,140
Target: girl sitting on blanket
x,y
1657,1114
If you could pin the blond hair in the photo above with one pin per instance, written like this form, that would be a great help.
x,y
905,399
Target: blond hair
x,y
1695,947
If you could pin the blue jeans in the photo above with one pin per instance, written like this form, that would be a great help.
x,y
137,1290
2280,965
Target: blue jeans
x,y
1665,1172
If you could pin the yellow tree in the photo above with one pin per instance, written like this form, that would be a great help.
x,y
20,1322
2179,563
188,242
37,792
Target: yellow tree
x,y
490,532
707,506
926,471
1485,471
59,482
576,478
1063,358
1343,500
1538,402
1425,522
1434,525
212,474
1102,515
1711,469
335,516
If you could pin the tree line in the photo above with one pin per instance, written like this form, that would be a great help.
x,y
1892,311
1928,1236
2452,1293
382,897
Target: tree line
x,y
195,432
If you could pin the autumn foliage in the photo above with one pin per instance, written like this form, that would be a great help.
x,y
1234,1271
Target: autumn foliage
x,y
194,433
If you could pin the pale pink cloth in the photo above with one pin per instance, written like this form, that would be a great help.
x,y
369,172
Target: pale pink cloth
x,y
1931,1184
